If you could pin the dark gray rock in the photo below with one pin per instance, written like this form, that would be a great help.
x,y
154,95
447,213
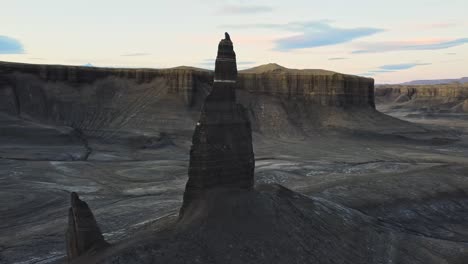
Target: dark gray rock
x,y
221,153
83,233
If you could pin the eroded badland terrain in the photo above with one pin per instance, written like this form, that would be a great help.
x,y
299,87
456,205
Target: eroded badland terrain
x,y
396,159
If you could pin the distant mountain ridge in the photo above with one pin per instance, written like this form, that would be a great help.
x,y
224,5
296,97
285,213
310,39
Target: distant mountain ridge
x,y
431,82
276,68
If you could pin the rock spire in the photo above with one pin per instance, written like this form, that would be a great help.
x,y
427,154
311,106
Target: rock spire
x,y
83,233
225,67
221,154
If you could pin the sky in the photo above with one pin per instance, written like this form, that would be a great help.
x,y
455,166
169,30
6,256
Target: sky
x,y
390,41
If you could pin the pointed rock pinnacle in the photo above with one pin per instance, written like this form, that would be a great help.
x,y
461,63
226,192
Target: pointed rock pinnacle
x,y
221,154
83,233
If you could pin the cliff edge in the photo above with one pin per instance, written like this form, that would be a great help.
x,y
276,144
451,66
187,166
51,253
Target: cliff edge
x,y
437,98
110,102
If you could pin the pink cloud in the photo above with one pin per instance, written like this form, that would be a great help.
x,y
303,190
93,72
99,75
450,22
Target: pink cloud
x,y
416,44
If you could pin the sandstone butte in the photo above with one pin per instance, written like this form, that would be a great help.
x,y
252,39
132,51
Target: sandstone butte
x,y
55,83
109,103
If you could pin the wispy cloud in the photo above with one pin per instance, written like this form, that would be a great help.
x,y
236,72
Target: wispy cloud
x,y
337,58
137,54
319,38
292,26
378,47
10,46
313,34
389,68
245,9
382,71
401,66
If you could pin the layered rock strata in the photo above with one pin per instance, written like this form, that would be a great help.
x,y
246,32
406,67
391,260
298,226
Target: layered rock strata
x,y
221,154
319,87
451,97
44,91
83,233
78,96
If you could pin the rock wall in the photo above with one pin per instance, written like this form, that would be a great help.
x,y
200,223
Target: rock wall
x,y
316,86
431,98
105,102
181,80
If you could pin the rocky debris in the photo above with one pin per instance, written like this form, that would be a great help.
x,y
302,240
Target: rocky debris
x,y
83,233
221,154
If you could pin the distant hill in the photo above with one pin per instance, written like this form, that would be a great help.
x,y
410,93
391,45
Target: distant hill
x,y
431,82
275,68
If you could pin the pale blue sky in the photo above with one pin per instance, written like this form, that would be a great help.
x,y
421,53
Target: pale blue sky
x,y
391,41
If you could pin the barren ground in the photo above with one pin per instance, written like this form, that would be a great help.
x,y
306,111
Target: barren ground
x,y
416,182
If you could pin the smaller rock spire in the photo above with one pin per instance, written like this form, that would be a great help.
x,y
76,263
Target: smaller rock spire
x,y
83,233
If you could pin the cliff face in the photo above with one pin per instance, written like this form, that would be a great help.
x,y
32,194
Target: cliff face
x,y
100,101
431,98
107,101
19,79
448,92
316,86
451,98
434,82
